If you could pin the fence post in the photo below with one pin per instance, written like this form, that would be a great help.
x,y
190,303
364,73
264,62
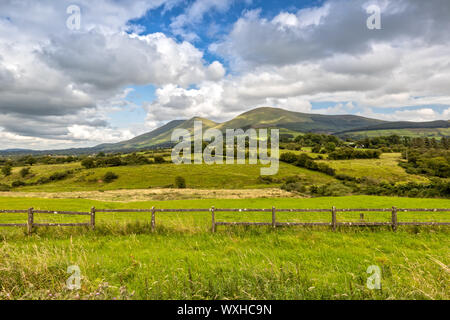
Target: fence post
x,y
92,218
153,219
213,216
361,217
394,218
333,218
274,222
30,221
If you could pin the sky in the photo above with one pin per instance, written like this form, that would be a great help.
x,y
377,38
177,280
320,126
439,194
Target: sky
x,y
126,67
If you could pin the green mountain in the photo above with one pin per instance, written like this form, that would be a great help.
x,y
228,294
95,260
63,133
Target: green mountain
x,y
286,121
258,118
158,137
296,121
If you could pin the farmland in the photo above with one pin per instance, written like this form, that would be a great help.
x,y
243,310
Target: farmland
x,y
121,259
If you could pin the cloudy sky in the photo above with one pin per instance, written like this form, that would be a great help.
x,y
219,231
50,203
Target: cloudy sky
x,y
133,65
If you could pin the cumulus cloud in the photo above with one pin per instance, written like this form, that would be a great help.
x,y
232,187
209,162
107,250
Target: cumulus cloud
x,y
327,54
58,87
337,27
53,79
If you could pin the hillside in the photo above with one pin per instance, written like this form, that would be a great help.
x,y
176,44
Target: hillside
x,y
158,137
258,118
297,121
431,129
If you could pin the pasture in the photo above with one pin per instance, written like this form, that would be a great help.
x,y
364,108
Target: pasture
x,y
122,259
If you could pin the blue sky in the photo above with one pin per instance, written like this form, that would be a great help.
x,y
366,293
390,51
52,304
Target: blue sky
x,y
131,65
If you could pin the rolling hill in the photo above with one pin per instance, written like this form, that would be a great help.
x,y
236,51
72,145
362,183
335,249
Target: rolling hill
x,y
258,118
431,129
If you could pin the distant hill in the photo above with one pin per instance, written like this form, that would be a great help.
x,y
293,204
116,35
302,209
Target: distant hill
x,y
436,129
258,118
297,121
266,117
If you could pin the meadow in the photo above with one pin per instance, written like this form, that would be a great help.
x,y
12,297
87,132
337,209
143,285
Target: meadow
x,y
384,169
160,175
122,259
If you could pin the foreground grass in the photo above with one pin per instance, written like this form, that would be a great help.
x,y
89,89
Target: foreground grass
x,y
181,260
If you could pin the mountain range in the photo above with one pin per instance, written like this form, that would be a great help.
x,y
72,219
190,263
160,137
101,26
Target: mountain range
x,y
265,117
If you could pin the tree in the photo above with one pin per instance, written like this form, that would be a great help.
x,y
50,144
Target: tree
x,y
110,177
24,172
88,163
330,146
180,182
159,159
7,170
316,148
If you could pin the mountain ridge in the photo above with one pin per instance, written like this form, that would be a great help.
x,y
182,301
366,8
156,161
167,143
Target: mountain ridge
x,y
262,117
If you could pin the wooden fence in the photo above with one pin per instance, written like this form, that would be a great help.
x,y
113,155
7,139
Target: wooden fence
x,y
394,223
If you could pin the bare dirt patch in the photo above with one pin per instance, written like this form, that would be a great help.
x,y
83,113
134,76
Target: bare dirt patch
x,y
156,194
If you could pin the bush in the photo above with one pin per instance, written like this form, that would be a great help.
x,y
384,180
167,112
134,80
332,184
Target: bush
x,y
349,153
18,183
110,177
4,187
24,172
180,182
59,175
265,179
7,170
88,163
294,187
159,159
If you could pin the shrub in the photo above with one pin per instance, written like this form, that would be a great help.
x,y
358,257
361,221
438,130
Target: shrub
x,y
349,153
59,175
316,148
88,163
159,159
18,183
265,179
7,170
294,187
4,187
180,182
110,177
24,172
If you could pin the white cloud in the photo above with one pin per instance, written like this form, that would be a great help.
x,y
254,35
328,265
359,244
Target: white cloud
x,y
57,87
55,79
98,135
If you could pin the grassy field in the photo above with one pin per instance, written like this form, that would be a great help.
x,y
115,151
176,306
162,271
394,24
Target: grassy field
x,y
160,175
204,176
414,133
121,259
384,169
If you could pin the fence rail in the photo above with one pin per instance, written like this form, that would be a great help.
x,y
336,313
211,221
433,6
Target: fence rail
x,y
394,223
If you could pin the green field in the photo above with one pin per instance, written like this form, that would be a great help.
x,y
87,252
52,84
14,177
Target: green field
x,y
206,176
121,259
384,169
413,133
160,175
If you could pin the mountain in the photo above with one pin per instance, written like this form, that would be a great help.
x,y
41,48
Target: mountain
x,y
258,118
266,117
296,121
160,137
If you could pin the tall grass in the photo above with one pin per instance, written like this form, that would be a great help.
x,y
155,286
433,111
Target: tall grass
x,y
122,259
